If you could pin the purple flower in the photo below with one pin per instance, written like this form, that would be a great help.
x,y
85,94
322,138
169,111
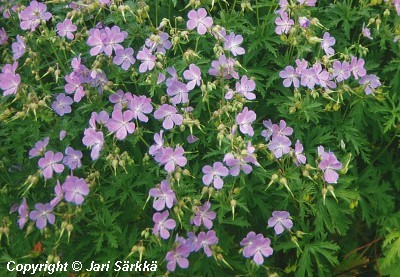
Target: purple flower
x,y
298,153
366,32
283,24
203,216
157,147
205,240
192,139
281,129
248,241
327,42
341,70
95,40
50,162
120,99
178,256
179,91
280,220
39,148
244,119
304,22
290,76
33,14
140,105
18,48
59,195
95,140
159,42
147,58
112,38
63,133
213,174
279,145
163,196
120,124
62,104
324,79
163,224
9,81
200,20
23,210
66,29
232,43
309,78
72,158
329,163
171,158
236,164
124,58
3,36
75,189
223,67
193,74
74,86
310,3
42,214
268,132
170,115
371,82
245,87
256,246
357,67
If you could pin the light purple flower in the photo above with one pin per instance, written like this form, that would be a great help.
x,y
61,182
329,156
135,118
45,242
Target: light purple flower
x,y
59,195
223,67
310,3
341,71
371,82
124,58
178,256
298,153
120,124
290,77
23,210
256,246
327,42
72,158
366,32
74,86
112,38
214,174
62,104
66,29
39,148
200,20
179,91
192,138
63,133
75,189
147,58
280,220
283,24
268,132
244,119
50,163
204,216
236,164
33,14
159,42
309,78
171,158
120,99
9,81
246,87
95,140
193,74
205,240
163,224
157,147
281,130
329,163
3,36
170,115
18,48
42,215
96,41
357,67
304,22
163,196
232,43
279,145
140,106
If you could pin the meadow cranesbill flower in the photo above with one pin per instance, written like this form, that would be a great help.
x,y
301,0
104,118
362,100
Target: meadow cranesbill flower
x,y
283,23
140,106
74,86
66,29
371,82
236,164
170,115
179,91
357,67
214,174
324,79
124,58
304,22
256,246
172,157
96,41
160,43
327,42
223,67
310,3
290,77
120,99
248,241
50,163
232,43
59,195
95,140
204,216
298,154
9,81
279,145
163,196
39,148
205,240
75,189
112,38
200,20
163,224
23,210
329,163
309,78
341,71
244,119
62,104
120,124
366,32
33,14
282,129
246,87
147,58
100,118
18,48
3,36
280,220
42,215
178,256
193,75
269,131
72,158
157,147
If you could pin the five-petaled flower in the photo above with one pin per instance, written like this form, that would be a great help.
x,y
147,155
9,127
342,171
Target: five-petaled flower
x,y
163,224
50,162
280,220
200,20
42,215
